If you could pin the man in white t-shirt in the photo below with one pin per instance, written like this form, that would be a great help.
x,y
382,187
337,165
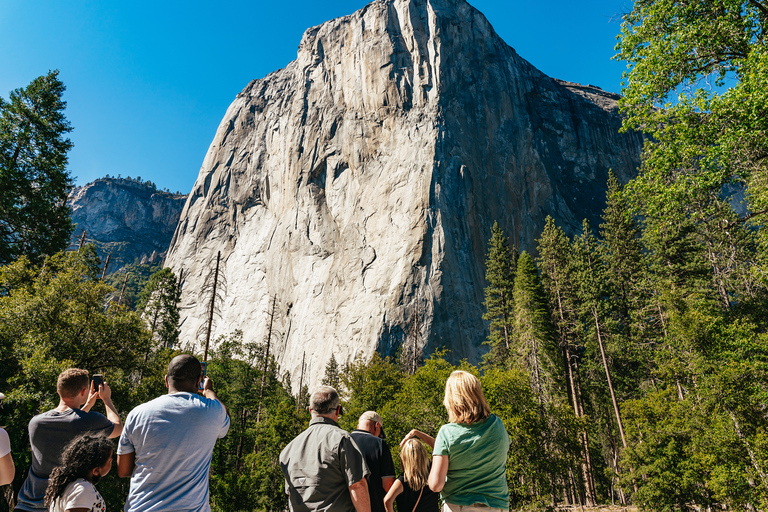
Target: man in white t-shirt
x,y
7,469
167,443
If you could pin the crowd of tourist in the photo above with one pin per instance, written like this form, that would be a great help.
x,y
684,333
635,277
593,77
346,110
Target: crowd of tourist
x,y
165,448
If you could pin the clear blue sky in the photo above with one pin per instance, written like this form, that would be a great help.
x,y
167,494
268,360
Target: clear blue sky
x,y
148,82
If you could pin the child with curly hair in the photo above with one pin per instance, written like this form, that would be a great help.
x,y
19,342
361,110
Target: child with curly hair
x,y
71,485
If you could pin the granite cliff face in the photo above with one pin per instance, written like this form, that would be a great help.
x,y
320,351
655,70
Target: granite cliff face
x,y
359,184
125,219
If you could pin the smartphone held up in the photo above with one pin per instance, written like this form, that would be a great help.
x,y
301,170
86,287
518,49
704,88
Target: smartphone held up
x,y
97,381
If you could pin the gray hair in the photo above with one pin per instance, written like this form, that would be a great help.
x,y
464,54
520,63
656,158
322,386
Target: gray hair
x,y
324,400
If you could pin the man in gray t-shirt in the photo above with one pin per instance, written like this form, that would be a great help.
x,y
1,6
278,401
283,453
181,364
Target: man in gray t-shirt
x,y
323,467
51,431
167,443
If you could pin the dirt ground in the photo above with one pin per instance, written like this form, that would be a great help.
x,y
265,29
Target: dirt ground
x,y
602,508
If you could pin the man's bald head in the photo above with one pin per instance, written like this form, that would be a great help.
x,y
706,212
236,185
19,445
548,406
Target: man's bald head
x,y
183,373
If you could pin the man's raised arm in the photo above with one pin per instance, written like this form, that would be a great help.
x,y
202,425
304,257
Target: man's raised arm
x,y
105,393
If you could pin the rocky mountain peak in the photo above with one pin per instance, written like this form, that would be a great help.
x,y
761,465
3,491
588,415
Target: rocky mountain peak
x,y
358,185
127,219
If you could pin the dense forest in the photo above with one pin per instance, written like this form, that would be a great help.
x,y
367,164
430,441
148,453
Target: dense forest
x,y
625,369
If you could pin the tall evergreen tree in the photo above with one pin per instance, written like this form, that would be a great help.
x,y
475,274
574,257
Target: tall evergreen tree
x,y
159,304
532,328
332,373
34,182
499,295
555,261
622,253
591,277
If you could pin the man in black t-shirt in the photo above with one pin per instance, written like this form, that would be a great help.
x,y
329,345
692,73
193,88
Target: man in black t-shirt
x,y
51,431
369,437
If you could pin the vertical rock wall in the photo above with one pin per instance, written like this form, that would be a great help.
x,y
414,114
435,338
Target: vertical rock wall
x,y
358,185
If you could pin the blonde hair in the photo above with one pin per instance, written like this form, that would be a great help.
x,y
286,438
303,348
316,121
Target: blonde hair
x,y
415,464
464,399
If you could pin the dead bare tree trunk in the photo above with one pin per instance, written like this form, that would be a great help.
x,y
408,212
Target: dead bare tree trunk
x,y
122,290
212,307
750,451
575,388
266,358
608,378
82,241
106,266
680,395
301,383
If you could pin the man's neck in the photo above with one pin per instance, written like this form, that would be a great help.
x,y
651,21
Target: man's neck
x,y
67,404
172,390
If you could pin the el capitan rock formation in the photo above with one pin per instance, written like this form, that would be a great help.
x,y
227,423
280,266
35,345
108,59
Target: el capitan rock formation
x,y
358,184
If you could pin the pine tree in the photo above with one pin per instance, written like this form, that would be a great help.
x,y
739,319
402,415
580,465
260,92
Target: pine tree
x,y
499,296
622,253
532,328
591,277
555,261
332,375
34,182
159,304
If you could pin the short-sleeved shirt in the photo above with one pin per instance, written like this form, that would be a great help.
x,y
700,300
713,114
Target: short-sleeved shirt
x,y
319,466
79,494
477,459
49,434
5,443
379,460
172,437
409,498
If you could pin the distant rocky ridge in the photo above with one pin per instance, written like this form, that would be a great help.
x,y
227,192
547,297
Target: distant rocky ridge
x,y
126,219
359,184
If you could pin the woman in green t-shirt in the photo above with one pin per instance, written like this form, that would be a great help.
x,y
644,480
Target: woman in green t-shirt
x,y
470,453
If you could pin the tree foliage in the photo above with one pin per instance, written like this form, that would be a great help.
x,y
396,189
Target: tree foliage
x,y
500,264
159,307
34,182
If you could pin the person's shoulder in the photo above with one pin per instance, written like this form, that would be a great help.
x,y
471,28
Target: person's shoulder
x,y
90,415
46,416
81,488
5,443
451,428
358,434
495,422
296,444
156,404
52,418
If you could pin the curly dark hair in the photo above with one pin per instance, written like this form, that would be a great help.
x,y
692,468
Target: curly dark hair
x,y
81,455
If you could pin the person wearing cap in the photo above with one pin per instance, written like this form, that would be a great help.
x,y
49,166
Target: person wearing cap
x,y
370,438
7,469
323,467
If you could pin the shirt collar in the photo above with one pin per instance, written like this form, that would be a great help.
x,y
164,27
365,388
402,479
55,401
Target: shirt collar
x,y
322,419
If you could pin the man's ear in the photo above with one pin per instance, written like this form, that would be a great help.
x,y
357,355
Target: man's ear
x,y
166,380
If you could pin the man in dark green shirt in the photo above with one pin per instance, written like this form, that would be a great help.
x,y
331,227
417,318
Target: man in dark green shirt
x,y
323,467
